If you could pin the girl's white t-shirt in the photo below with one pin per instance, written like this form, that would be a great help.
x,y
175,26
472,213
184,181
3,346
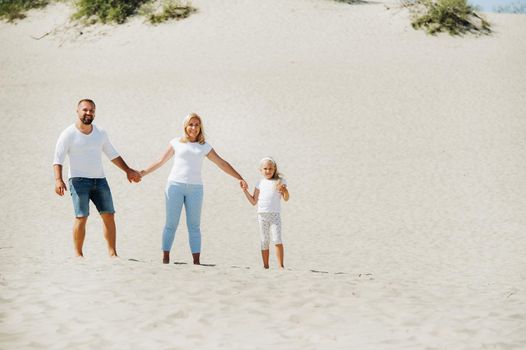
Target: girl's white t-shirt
x,y
269,200
188,161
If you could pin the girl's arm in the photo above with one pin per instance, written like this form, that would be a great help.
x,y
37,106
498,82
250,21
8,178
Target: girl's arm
x,y
156,165
284,192
225,166
252,198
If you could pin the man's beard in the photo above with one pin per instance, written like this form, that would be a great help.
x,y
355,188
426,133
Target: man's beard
x,y
87,120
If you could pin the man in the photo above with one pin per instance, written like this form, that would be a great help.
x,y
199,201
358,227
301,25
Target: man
x,y
83,142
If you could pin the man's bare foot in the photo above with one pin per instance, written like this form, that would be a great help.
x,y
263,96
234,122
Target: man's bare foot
x,y
166,257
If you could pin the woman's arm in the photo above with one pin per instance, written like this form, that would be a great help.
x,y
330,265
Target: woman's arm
x,y
156,165
252,198
225,166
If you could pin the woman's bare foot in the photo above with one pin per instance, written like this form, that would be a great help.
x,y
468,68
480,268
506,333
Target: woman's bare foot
x,y
166,257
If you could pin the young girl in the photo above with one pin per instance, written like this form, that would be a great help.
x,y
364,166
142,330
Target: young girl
x,y
267,195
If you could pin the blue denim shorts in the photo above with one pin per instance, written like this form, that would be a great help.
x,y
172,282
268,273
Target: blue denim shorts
x,y
97,190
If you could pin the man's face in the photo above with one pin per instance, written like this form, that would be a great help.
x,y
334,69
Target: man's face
x,y
86,112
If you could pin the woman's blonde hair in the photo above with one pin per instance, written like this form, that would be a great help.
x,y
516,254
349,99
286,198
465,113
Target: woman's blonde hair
x,y
201,136
277,175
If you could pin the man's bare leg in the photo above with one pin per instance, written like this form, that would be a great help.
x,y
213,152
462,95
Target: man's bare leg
x,y
196,257
280,254
110,233
79,233
265,254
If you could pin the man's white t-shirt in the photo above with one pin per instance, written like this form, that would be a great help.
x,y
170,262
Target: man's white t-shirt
x,y
269,199
84,151
188,161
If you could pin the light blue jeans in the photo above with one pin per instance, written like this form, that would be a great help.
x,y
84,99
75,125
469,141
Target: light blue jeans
x,y
191,196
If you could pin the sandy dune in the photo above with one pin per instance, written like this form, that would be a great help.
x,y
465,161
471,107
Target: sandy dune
x,y
404,154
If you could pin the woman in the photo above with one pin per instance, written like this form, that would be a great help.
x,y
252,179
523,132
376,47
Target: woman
x,y
184,185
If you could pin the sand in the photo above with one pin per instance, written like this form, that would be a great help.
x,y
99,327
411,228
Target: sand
x,y
404,154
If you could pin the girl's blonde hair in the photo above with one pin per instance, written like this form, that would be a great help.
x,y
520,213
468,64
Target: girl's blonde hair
x,y
200,136
277,175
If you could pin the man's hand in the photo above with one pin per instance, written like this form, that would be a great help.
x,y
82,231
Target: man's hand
x,y
60,187
133,175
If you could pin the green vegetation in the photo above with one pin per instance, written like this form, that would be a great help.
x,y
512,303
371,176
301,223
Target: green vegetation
x,y
12,10
167,10
456,17
105,11
516,7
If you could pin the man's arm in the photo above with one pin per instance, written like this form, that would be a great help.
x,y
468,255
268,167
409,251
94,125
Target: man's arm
x,y
60,186
133,175
61,150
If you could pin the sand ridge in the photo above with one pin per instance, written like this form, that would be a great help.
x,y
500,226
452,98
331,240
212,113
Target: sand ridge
x,y
404,156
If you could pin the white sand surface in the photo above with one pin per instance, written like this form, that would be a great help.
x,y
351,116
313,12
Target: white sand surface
x,y
405,156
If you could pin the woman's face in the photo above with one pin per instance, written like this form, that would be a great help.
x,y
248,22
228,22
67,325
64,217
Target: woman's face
x,y
267,170
193,128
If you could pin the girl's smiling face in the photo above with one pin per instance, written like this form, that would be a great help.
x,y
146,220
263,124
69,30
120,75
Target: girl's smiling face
x,y
267,170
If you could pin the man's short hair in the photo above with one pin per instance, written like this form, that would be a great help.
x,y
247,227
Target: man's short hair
x,y
86,100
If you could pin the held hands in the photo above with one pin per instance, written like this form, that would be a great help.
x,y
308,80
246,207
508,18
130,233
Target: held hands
x,y
133,175
243,184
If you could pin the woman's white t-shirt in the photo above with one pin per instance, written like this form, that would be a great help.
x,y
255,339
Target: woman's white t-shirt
x,y
188,161
269,200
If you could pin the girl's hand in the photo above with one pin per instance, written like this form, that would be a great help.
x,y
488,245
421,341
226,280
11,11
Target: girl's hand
x,y
284,191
